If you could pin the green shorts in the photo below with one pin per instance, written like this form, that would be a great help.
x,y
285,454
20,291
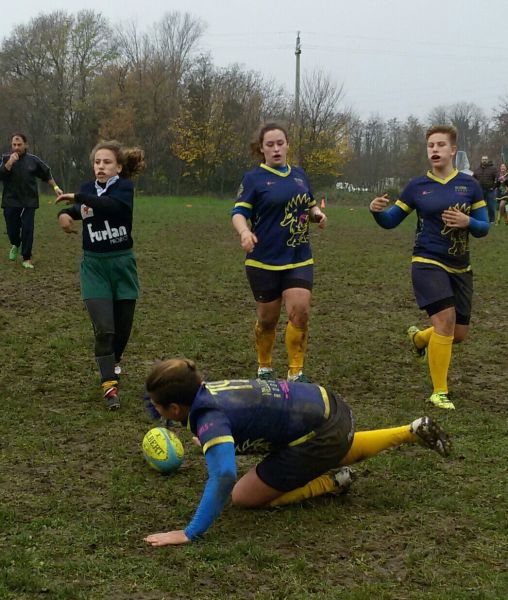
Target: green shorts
x,y
112,275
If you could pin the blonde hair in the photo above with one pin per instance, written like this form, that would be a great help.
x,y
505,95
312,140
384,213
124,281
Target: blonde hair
x,y
175,380
131,159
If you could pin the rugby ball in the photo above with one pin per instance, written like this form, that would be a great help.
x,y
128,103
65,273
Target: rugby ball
x,y
162,450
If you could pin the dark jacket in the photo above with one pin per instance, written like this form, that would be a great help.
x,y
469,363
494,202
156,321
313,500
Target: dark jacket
x,y
107,219
486,176
20,183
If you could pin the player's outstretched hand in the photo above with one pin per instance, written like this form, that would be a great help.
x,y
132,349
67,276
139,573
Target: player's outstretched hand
x,y
170,538
320,218
453,217
379,203
67,223
248,240
67,198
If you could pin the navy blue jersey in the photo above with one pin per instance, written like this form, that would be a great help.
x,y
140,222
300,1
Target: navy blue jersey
x,y
429,195
256,415
277,204
107,219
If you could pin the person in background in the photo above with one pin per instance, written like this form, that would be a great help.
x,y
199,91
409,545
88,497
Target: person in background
x,y
502,194
486,174
19,171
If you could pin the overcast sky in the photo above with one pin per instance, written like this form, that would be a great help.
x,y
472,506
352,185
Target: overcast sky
x,y
394,57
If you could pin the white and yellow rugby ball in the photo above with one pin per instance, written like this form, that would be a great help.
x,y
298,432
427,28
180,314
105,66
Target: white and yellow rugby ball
x,y
162,450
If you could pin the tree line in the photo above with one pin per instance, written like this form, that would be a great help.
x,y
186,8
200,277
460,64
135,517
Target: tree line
x,y
387,152
68,80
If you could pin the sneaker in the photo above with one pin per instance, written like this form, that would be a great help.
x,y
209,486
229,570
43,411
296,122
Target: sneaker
x,y
27,264
342,479
420,353
265,373
441,400
431,435
13,253
111,398
298,377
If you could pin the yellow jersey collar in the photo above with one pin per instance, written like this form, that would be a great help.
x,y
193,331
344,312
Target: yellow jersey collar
x,y
275,171
453,174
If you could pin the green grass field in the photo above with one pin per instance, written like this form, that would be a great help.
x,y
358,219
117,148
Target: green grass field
x,y
77,498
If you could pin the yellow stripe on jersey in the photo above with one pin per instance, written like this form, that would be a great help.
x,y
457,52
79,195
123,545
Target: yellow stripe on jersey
x,y
243,204
444,181
218,440
479,204
304,438
404,206
326,414
326,402
255,263
275,172
422,259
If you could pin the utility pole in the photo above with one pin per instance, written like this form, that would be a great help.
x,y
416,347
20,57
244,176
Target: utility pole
x,y
298,51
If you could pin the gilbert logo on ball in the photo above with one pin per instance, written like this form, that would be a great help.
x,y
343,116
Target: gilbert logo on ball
x,y
162,450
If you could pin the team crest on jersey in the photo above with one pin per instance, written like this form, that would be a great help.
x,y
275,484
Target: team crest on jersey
x,y
458,236
461,189
296,220
299,181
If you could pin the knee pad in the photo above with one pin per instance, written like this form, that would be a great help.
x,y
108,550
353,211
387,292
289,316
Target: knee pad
x,y
104,343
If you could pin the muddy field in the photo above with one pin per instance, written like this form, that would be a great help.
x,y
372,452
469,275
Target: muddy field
x,y
76,497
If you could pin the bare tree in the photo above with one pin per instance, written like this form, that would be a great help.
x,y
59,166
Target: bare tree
x,y
471,124
150,73
323,128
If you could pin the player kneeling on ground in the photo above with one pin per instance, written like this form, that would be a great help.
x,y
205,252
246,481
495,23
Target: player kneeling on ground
x,y
306,430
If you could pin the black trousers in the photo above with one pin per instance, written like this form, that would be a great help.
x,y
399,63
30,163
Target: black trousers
x,y
20,228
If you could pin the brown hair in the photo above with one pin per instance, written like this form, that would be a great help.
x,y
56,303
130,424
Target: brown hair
x,y
257,140
131,159
175,380
447,129
20,135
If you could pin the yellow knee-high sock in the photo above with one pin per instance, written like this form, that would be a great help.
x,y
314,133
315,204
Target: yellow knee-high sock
x,y
323,484
265,339
369,443
296,346
422,338
440,356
